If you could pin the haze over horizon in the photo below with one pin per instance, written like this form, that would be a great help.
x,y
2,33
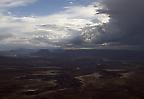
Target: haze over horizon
x,y
100,24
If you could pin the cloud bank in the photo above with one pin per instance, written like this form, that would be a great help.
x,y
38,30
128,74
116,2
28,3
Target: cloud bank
x,y
105,23
67,27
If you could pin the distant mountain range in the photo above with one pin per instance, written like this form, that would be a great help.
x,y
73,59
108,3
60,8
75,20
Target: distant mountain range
x,y
133,55
17,52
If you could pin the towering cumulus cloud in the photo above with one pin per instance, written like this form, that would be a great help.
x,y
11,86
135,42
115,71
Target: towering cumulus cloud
x,y
75,24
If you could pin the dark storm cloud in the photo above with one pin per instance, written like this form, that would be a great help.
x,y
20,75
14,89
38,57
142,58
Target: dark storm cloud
x,y
128,16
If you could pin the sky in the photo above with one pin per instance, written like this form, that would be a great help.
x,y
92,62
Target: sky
x,y
113,24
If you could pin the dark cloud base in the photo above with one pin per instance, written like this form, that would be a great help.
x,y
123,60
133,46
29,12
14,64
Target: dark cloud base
x,y
128,16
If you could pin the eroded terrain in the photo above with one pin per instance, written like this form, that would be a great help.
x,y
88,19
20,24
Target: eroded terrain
x,y
44,78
